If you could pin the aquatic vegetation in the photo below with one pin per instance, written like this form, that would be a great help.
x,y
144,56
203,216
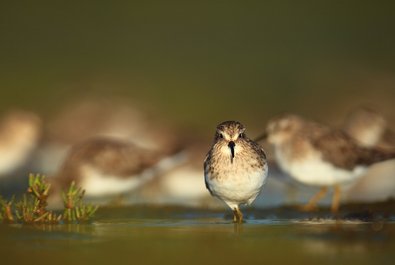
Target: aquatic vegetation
x,y
32,207
5,210
74,208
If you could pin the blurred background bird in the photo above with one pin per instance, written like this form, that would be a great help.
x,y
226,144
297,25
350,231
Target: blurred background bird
x,y
111,167
317,155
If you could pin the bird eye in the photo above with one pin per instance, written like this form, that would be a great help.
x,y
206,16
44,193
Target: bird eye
x,y
241,135
221,135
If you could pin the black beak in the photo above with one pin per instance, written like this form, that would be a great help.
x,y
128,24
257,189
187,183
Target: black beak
x,y
232,150
261,137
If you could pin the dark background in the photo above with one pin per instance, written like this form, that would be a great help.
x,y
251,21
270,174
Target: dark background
x,y
201,62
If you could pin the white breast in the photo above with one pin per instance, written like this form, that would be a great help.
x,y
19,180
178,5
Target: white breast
x,y
236,185
98,184
313,170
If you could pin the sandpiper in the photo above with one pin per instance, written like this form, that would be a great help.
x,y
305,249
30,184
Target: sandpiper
x,y
235,168
317,155
110,166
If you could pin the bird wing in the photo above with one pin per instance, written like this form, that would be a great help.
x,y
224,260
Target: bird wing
x,y
338,148
113,156
342,151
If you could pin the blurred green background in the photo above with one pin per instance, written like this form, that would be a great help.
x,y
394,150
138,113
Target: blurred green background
x,y
200,62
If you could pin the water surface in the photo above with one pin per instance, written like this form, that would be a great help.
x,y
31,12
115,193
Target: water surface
x,y
185,236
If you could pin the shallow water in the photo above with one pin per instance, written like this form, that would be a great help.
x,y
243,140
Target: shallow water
x,y
178,236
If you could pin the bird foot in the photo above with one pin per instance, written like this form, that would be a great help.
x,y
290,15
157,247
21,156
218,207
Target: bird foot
x,y
237,216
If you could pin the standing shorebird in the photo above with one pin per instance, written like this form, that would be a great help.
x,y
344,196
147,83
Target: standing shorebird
x,y
319,156
235,168
109,166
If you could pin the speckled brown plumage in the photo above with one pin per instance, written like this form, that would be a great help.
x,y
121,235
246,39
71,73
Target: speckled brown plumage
x,y
235,167
252,154
337,147
317,155
110,156
342,151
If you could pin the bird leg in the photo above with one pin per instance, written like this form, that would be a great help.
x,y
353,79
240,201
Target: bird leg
x,y
335,199
240,216
311,205
237,216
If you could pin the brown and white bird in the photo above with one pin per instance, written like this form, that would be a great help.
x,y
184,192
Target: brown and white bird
x,y
235,168
317,155
110,166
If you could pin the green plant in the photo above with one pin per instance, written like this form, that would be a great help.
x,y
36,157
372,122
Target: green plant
x,y
6,210
32,208
74,208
